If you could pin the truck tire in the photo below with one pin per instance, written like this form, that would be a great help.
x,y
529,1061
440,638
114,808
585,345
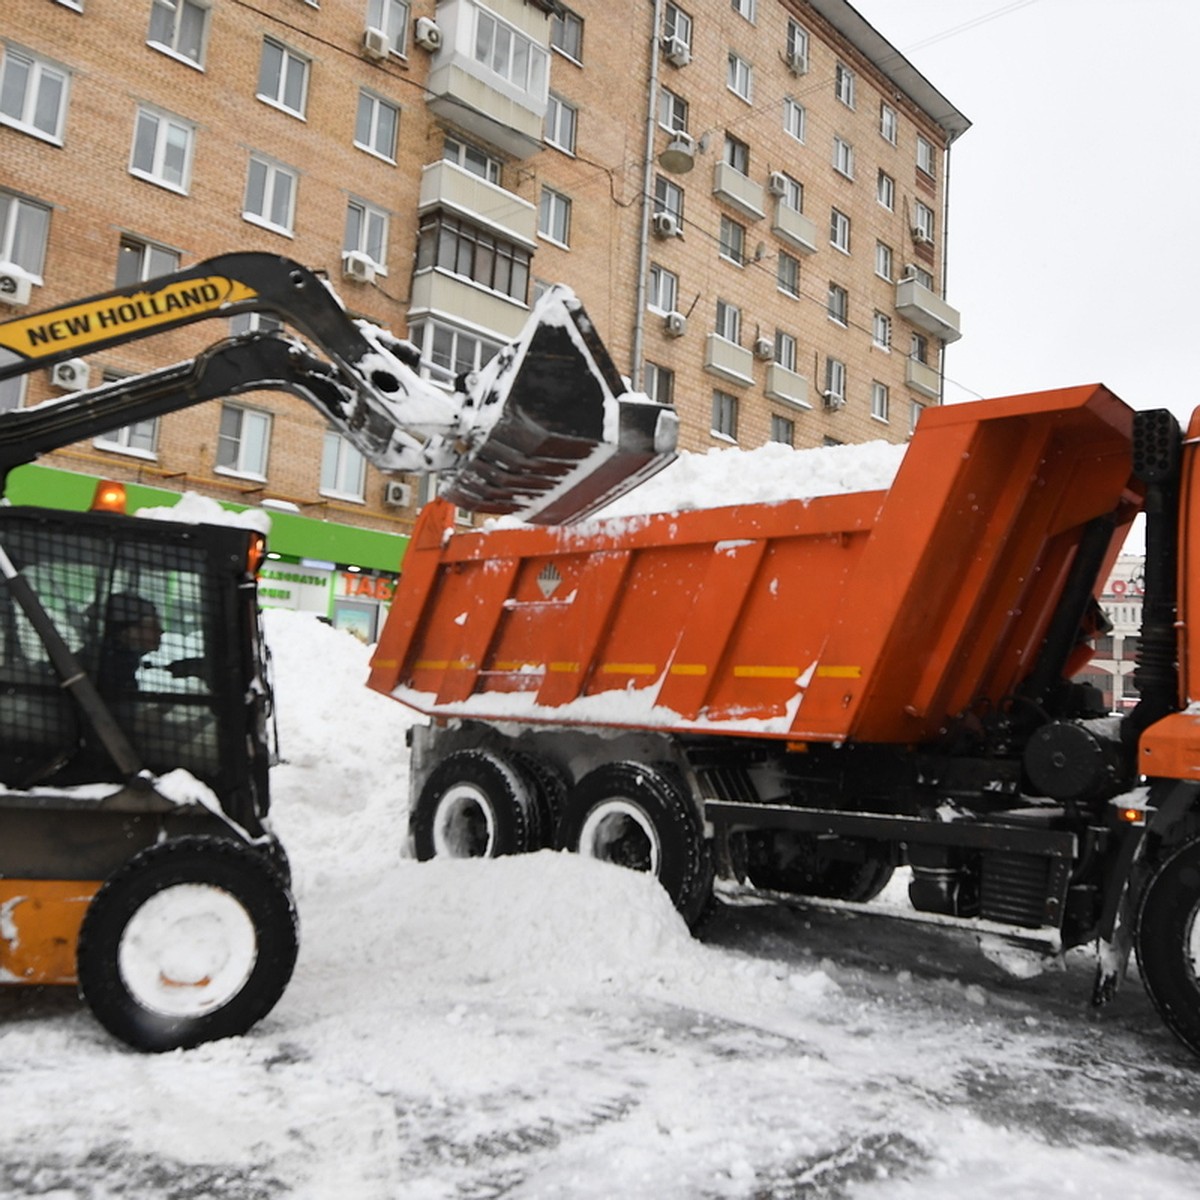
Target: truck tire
x,y
642,818
1168,943
780,861
475,804
191,940
550,793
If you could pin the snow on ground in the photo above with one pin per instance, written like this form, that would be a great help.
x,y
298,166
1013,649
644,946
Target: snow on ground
x,y
546,1027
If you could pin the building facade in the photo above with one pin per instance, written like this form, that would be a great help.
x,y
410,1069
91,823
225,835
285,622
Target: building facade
x,y
1115,658
748,196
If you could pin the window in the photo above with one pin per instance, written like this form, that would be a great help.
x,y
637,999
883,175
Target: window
x,y
554,216
835,382
793,118
843,84
162,149
245,434
677,25
843,157
560,123
138,260
925,155
375,125
663,291
672,111
566,34
922,276
270,195
915,409
888,123
792,195
744,8
786,350
918,348
447,352
660,384
33,94
885,191
668,198
838,305
179,27
797,47
449,243
923,223
783,430
737,154
392,17
881,331
12,393
839,230
139,438
343,468
24,226
787,274
740,77
472,159
254,322
883,261
879,401
282,77
725,415
729,322
505,50
367,233
733,241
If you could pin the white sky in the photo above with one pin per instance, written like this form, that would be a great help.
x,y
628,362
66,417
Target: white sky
x,y
1073,198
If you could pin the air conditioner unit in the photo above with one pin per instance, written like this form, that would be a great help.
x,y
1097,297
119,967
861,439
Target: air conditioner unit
x,y
15,286
777,183
797,62
396,494
833,401
921,237
376,43
72,375
675,324
358,266
429,34
665,224
909,272
678,52
764,348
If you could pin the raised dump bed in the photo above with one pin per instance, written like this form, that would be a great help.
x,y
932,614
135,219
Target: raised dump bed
x,y
874,616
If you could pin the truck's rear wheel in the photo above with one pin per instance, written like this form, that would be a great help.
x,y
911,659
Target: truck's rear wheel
x,y
475,804
192,940
1168,943
802,865
641,817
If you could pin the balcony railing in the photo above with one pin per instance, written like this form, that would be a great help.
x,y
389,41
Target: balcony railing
x,y
436,291
926,310
922,378
728,359
447,185
786,385
796,228
743,193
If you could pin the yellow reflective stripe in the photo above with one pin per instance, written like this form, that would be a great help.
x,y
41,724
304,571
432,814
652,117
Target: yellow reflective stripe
x,y
624,668
565,668
753,672
689,669
839,672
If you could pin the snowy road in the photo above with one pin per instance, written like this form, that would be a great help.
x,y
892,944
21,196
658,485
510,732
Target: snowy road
x,y
545,1027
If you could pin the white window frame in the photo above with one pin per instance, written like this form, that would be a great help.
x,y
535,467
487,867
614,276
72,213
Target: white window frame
x,y
737,154
562,121
797,45
843,84
659,383
884,261
724,415
793,193
837,307
835,379
677,25
13,209
731,245
472,159
668,198
560,24
843,157
146,253
343,468
391,16
889,122
783,430
273,173
839,230
241,467
881,331
925,156
795,118
372,222
787,350
745,8
448,351
787,274
494,49
174,12
672,111
375,106
162,123
39,71
662,293
728,325
138,439
885,191
554,217
880,402
915,409
289,61
923,221
739,78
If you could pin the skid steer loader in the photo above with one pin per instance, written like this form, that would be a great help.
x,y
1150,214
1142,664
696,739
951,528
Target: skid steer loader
x,y
136,854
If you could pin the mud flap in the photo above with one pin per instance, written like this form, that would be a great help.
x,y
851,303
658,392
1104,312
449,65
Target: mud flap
x,y
560,434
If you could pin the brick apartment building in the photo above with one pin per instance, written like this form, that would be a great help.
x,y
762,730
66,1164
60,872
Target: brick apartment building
x,y
749,198
1112,666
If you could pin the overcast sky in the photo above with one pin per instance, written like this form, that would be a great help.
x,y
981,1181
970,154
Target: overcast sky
x,y
1075,196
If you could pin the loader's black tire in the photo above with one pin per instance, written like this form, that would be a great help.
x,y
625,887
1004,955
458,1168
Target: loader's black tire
x,y
1168,943
475,804
191,940
641,817
782,861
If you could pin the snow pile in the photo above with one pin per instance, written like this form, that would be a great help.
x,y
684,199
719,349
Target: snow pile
x,y
194,509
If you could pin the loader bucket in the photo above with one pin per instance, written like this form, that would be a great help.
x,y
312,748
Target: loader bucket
x,y
560,434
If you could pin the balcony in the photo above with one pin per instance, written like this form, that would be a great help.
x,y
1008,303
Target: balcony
x,y
922,378
446,185
927,311
728,359
435,291
485,104
741,192
787,386
795,227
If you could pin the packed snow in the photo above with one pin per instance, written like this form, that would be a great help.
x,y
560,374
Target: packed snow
x,y
546,1027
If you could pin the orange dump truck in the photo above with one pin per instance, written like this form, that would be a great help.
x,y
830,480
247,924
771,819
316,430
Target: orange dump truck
x,y
811,693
